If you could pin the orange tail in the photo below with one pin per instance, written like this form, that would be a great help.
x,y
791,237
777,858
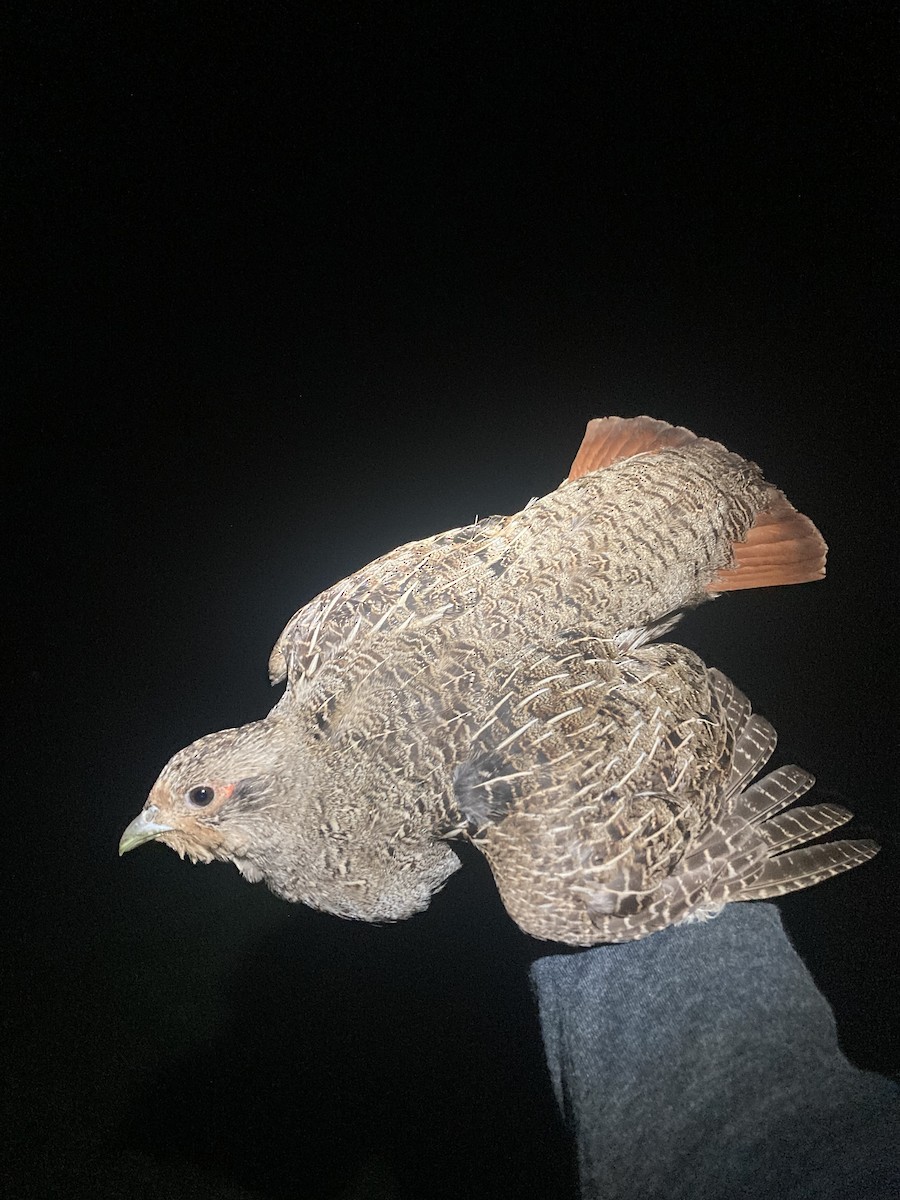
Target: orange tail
x,y
782,546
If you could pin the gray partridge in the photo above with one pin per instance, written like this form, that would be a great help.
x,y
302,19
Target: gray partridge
x,y
501,683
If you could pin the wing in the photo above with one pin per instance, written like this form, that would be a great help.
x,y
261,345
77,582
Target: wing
x,y
610,796
587,780
412,587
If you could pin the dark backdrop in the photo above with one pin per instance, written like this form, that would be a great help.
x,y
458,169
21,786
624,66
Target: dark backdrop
x,y
293,284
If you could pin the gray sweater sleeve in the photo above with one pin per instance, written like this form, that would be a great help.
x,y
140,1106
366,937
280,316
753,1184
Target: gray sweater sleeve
x,y
703,1062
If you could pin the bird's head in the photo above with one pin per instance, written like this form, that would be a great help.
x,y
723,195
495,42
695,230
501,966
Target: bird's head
x,y
273,798
219,798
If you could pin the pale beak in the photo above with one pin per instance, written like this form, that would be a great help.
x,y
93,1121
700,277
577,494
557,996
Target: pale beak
x,y
144,828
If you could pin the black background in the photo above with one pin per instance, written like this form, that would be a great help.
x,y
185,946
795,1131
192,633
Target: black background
x,y
293,284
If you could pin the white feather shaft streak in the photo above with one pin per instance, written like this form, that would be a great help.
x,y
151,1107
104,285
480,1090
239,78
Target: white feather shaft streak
x,y
487,783
542,691
515,734
492,715
562,716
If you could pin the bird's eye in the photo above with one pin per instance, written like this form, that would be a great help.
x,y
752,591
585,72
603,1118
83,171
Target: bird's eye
x,y
201,796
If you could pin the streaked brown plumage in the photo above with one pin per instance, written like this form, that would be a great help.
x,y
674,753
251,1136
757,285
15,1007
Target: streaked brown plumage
x,y
500,683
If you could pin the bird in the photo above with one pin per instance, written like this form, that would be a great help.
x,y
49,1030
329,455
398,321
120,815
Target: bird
x,y
504,684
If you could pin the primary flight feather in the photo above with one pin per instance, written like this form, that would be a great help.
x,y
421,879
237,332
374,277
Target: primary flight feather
x,y
501,683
